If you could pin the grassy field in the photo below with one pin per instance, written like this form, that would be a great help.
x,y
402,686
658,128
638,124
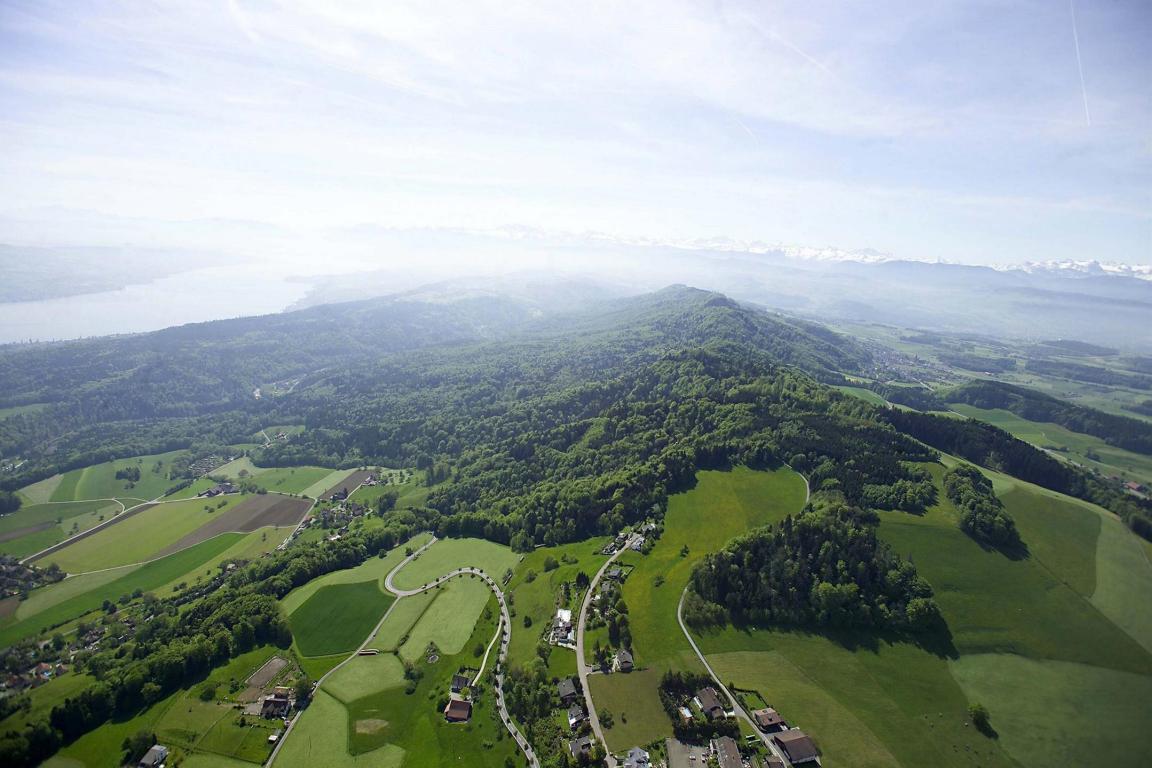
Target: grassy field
x,y
536,599
449,620
365,675
362,715
373,568
404,616
147,578
140,537
278,479
448,554
326,482
863,394
38,526
247,546
99,480
322,737
634,718
721,506
41,491
1031,643
1074,445
338,617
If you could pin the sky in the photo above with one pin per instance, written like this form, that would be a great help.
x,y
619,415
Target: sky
x,y
977,132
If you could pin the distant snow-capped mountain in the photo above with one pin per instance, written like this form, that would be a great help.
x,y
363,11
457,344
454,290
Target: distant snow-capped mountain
x,y
1088,268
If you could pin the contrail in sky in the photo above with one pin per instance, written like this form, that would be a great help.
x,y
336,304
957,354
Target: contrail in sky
x,y
1079,62
741,124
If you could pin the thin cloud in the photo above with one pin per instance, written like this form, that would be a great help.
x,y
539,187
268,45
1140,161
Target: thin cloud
x,y
1079,61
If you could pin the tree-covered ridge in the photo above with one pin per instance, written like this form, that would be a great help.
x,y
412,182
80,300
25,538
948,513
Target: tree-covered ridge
x,y
982,514
1122,431
142,394
994,448
826,567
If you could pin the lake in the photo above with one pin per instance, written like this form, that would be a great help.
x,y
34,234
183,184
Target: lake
x,y
190,297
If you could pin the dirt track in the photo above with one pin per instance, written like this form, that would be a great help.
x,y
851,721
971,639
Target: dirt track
x,y
254,512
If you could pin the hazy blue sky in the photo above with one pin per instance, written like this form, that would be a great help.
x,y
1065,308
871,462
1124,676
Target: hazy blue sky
x,y
955,130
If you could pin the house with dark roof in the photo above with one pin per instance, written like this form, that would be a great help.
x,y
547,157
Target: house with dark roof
x,y
709,701
769,720
772,761
459,683
576,716
277,703
796,745
458,711
566,689
623,660
727,753
580,746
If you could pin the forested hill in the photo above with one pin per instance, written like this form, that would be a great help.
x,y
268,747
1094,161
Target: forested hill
x,y
157,391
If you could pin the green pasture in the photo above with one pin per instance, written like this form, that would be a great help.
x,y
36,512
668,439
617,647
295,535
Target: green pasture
x,y
327,481
141,536
41,491
147,577
247,546
291,479
449,554
634,718
372,568
723,505
365,675
864,394
42,599
60,517
99,480
45,697
451,618
1075,445
404,616
338,617
322,736
536,599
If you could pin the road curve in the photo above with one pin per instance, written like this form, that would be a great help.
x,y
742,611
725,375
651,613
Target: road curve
x,y
503,630
581,667
735,702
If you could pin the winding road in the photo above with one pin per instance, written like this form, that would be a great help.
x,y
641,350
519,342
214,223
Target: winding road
x,y
582,668
503,632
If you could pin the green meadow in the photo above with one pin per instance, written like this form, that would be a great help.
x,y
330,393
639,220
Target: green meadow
x,y
147,577
338,617
723,505
35,527
449,554
373,568
363,716
140,537
99,480
449,620
536,598
1073,445
1037,641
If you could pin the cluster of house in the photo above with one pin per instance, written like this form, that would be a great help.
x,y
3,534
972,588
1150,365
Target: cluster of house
x,y
637,541
217,490
205,464
34,677
796,745
1129,485
17,579
459,707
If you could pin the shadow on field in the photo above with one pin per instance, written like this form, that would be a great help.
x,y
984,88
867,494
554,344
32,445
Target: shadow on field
x,y
936,639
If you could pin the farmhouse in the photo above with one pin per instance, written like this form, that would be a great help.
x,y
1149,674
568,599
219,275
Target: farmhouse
x,y
154,757
797,746
580,747
562,630
276,704
637,758
458,711
614,574
459,683
769,720
727,753
623,661
566,689
709,701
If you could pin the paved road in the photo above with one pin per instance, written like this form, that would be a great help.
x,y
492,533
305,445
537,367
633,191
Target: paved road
x,y
503,630
581,667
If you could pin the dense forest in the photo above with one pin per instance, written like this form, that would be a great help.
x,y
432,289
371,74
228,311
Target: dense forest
x,y
982,514
826,568
1121,431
